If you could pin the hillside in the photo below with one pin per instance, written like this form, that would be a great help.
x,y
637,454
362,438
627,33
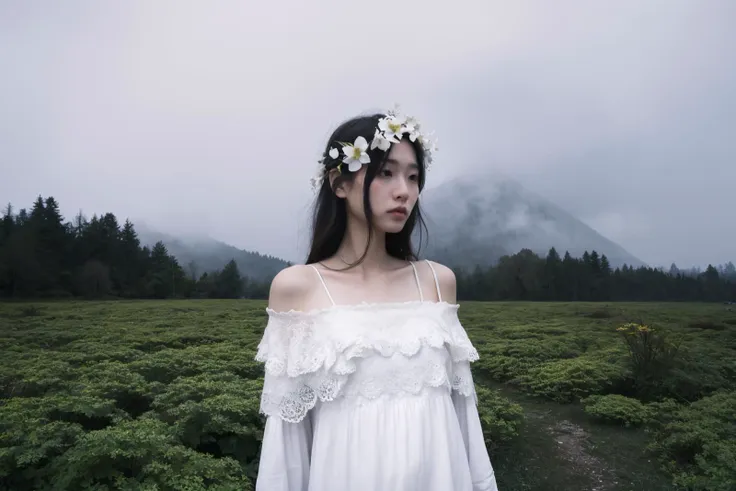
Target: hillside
x,y
198,255
471,220
477,219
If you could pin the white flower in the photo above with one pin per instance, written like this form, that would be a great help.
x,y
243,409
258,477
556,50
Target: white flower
x,y
392,128
428,143
395,111
411,127
355,154
430,147
380,142
319,175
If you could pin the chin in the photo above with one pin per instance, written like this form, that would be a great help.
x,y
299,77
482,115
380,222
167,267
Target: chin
x,y
391,226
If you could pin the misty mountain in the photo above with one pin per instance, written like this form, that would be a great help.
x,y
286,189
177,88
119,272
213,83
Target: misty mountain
x,y
198,255
472,220
477,219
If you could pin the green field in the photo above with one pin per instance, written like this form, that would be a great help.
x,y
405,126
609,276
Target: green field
x,y
159,395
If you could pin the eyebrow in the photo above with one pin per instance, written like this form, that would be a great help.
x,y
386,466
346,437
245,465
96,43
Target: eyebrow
x,y
396,162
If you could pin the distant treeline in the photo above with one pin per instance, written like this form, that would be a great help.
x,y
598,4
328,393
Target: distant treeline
x,y
527,276
41,256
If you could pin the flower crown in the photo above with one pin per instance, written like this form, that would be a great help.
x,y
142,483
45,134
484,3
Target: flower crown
x,y
391,129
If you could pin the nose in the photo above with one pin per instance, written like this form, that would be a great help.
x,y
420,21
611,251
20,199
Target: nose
x,y
401,191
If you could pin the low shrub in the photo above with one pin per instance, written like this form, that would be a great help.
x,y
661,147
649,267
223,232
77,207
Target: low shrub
x,y
84,440
567,380
707,324
30,311
500,367
696,442
517,353
143,454
604,313
214,413
697,373
651,355
615,408
500,418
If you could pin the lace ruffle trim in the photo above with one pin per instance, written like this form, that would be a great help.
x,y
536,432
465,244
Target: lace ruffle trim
x,y
297,345
313,357
292,399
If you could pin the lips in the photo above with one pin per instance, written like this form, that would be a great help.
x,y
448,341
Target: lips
x,y
399,211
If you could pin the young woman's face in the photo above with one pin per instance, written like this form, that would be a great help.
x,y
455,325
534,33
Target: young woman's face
x,y
393,192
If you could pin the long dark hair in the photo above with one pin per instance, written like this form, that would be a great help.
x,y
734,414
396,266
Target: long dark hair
x,y
329,220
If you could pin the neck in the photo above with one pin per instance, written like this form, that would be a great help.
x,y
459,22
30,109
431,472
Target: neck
x,y
354,244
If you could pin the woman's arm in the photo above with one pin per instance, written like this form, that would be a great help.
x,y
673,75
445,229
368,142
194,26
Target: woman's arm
x,y
286,449
285,455
481,470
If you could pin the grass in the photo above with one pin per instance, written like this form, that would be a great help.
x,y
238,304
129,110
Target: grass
x,y
88,367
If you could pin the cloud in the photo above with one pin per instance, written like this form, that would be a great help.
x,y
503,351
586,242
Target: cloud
x,y
208,117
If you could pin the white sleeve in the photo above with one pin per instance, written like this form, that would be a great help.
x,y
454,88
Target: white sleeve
x,y
285,455
286,400
481,470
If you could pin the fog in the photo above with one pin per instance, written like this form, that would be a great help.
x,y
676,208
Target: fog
x,y
207,118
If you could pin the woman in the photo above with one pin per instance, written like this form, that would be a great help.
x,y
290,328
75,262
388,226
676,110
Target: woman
x,y
368,384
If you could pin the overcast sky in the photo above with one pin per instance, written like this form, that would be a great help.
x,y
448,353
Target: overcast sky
x,y
208,117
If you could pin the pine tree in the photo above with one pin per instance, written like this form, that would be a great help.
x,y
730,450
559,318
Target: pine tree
x,y
129,260
229,281
729,271
552,275
595,263
605,266
6,225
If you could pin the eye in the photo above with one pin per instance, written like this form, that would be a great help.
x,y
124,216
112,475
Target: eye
x,y
414,177
386,173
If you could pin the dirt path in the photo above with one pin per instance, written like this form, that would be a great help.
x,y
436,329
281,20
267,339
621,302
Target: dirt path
x,y
560,449
572,443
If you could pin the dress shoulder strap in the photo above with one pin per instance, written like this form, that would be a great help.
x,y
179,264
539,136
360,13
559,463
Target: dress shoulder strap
x,y
436,282
324,285
416,277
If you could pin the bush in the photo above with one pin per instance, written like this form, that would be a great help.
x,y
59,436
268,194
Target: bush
x,y
30,311
696,442
570,379
36,431
500,418
143,454
696,373
81,441
603,313
707,324
616,408
214,413
519,352
502,368
651,354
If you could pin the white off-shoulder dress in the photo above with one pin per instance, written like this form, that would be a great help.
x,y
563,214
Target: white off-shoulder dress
x,y
371,397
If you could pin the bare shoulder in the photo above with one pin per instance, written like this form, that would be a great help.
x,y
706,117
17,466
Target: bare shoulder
x,y
289,287
447,281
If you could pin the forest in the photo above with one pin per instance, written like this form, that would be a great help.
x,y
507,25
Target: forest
x,y
44,256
